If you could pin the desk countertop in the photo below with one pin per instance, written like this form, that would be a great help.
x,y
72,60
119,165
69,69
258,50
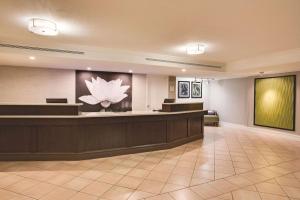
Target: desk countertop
x,y
102,114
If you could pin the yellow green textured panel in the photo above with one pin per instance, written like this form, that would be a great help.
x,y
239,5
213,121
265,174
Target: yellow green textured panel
x,y
275,102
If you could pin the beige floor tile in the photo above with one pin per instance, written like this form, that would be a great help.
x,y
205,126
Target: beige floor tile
x,y
287,181
265,196
151,186
164,167
83,196
129,163
59,194
239,181
270,188
223,186
21,197
158,176
206,191
245,195
160,197
146,165
198,181
169,187
77,183
292,192
111,178
9,180
250,188
179,180
92,174
130,182
117,193
22,185
7,195
136,195
185,194
39,190
139,173
121,170
96,188
60,179
183,171
227,196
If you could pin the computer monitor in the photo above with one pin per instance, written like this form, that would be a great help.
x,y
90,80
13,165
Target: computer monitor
x,y
169,101
56,100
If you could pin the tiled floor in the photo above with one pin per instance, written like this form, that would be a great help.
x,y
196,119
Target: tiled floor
x,y
227,164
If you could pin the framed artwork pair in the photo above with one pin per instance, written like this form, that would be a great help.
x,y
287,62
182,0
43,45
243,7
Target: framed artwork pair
x,y
187,89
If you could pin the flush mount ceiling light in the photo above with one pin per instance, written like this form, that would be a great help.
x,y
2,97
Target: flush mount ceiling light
x,y
42,27
195,49
183,70
31,57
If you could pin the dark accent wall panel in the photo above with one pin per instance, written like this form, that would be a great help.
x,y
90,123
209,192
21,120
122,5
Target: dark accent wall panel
x,y
82,90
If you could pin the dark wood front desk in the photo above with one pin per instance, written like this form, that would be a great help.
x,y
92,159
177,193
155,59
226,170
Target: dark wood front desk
x,y
94,135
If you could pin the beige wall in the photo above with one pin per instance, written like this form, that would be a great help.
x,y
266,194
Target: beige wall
x,y
34,85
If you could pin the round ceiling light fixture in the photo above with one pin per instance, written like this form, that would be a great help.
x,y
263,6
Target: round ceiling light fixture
x,y
195,49
42,27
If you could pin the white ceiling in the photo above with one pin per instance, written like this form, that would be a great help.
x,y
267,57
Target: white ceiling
x,y
117,35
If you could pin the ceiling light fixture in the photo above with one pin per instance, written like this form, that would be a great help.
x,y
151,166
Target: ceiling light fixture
x,y
183,70
195,49
130,71
42,27
89,68
31,57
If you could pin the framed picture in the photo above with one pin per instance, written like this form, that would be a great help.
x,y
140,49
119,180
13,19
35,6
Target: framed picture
x,y
196,89
275,101
183,89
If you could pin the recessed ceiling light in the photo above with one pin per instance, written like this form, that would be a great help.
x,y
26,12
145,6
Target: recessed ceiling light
x,y
89,68
31,57
42,27
195,49
183,70
130,71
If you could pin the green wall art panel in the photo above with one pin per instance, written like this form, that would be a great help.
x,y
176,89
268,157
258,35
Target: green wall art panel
x,y
274,102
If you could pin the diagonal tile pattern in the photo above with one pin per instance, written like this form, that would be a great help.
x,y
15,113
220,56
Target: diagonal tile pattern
x,y
228,164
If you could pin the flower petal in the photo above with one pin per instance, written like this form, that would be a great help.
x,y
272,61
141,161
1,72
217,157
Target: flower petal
x,y
89,99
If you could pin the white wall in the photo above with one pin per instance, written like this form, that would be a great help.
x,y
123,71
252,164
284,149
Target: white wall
x,y
139,92
34,85
229,98
234,101
205,92
157,91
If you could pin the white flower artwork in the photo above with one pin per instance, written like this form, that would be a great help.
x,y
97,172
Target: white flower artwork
x,y
105,93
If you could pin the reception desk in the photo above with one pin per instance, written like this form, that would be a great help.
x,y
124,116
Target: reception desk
x,y
93,135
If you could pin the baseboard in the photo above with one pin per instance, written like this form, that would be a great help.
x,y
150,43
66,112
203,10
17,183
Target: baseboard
x,y
260,129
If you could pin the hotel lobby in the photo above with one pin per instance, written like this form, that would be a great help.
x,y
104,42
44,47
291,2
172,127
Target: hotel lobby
x,y
149,100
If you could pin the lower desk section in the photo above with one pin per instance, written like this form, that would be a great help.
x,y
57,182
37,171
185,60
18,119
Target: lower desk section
x,y
74,138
